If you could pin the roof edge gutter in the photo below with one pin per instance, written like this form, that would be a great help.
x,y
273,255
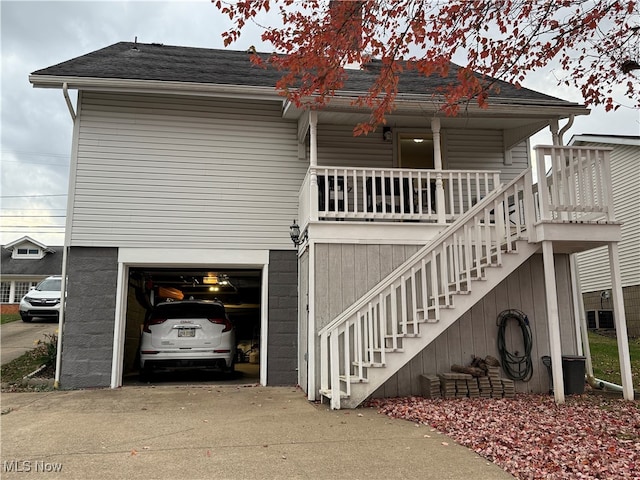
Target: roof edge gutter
x,y
153,86
65,92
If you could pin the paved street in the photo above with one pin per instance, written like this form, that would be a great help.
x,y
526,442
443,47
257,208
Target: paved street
x,y
18,337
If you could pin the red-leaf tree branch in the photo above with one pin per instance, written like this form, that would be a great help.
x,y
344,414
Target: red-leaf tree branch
x,y
595,43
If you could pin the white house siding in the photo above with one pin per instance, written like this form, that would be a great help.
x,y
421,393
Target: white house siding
x,y
337,147
195,172
462,149
482,150
594,264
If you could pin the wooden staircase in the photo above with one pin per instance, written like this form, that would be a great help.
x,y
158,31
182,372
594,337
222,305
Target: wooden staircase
x,y
383,330
403,314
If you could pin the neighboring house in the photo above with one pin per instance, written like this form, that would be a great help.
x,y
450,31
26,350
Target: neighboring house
x,y
24,263
188,170
594,274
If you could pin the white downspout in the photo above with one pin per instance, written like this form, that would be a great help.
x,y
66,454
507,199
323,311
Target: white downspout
x,y
67,234
65,92
63,300
564,129
67,241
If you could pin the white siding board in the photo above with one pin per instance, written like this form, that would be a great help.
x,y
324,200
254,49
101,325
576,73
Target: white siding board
x,y
483,150
338,147
154,170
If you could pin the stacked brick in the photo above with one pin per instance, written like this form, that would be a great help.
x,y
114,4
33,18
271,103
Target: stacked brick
x,y
485,384
430,386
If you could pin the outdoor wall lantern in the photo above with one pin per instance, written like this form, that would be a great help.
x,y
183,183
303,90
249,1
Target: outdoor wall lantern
x,y
387,134
295,233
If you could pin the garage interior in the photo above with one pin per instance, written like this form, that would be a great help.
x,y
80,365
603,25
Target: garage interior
x,y
239,290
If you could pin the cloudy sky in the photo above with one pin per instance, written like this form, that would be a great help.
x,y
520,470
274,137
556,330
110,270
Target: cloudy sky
x,y
36,127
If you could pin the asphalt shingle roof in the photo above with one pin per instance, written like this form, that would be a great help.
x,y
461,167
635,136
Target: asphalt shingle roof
x,y
138,61
51,264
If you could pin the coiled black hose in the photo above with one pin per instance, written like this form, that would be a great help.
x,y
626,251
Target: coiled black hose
x,y
516,367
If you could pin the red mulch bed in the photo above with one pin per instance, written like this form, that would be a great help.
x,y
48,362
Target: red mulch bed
x,y
529,436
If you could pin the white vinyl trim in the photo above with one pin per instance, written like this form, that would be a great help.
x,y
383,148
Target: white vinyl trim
x,y
189,256
119,330
264,324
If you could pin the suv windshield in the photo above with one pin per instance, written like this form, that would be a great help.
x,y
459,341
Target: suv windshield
x,y
50,285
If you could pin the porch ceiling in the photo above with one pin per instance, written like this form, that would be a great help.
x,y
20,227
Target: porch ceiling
x,y
424,121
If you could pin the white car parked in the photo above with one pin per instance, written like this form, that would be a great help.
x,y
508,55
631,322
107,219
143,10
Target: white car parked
x,y
43,300
189,333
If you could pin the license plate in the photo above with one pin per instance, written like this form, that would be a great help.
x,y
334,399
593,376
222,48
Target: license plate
x,y
187,332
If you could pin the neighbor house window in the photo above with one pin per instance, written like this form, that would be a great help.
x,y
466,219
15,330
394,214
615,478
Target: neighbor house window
x,y
27,253
5,292
22,288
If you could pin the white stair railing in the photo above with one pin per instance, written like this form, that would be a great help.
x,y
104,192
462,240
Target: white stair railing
x,y
380,322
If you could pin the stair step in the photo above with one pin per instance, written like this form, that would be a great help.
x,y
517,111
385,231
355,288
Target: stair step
x,y
425,318
370,364
402,335
329,394
353,379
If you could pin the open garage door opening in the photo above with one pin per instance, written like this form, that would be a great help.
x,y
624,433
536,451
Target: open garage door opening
x,y
193,341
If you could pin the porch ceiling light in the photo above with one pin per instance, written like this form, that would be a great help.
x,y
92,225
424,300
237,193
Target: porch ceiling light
x,y
418,140
295,233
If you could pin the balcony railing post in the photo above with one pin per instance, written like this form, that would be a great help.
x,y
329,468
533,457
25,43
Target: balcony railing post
x,y
313,200
543,188
607,185
440,206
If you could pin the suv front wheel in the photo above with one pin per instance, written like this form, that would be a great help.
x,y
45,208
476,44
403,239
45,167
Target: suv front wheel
x,y
25,317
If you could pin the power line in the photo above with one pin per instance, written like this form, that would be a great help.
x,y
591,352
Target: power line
x,y
33,196
29,226
37,163
36,154
49,232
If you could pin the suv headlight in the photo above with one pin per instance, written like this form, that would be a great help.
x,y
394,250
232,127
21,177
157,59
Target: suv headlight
x,y
28,299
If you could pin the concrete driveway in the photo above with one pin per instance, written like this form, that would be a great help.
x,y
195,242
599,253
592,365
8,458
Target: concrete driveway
x,y
219,432
19,337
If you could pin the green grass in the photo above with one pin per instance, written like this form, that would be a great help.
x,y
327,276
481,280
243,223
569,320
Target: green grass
x,y
17,369
606,364
9,317
44,353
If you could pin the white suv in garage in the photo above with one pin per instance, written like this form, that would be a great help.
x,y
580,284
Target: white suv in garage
x,y
43,300
187,334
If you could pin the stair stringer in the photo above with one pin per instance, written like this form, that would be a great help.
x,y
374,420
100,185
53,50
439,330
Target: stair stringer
x,y
394,361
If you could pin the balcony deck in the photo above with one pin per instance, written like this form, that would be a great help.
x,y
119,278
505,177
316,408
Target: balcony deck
x,y
411,206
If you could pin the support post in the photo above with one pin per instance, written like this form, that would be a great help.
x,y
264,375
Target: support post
x,y
553,319
437,165
313,163
621,322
